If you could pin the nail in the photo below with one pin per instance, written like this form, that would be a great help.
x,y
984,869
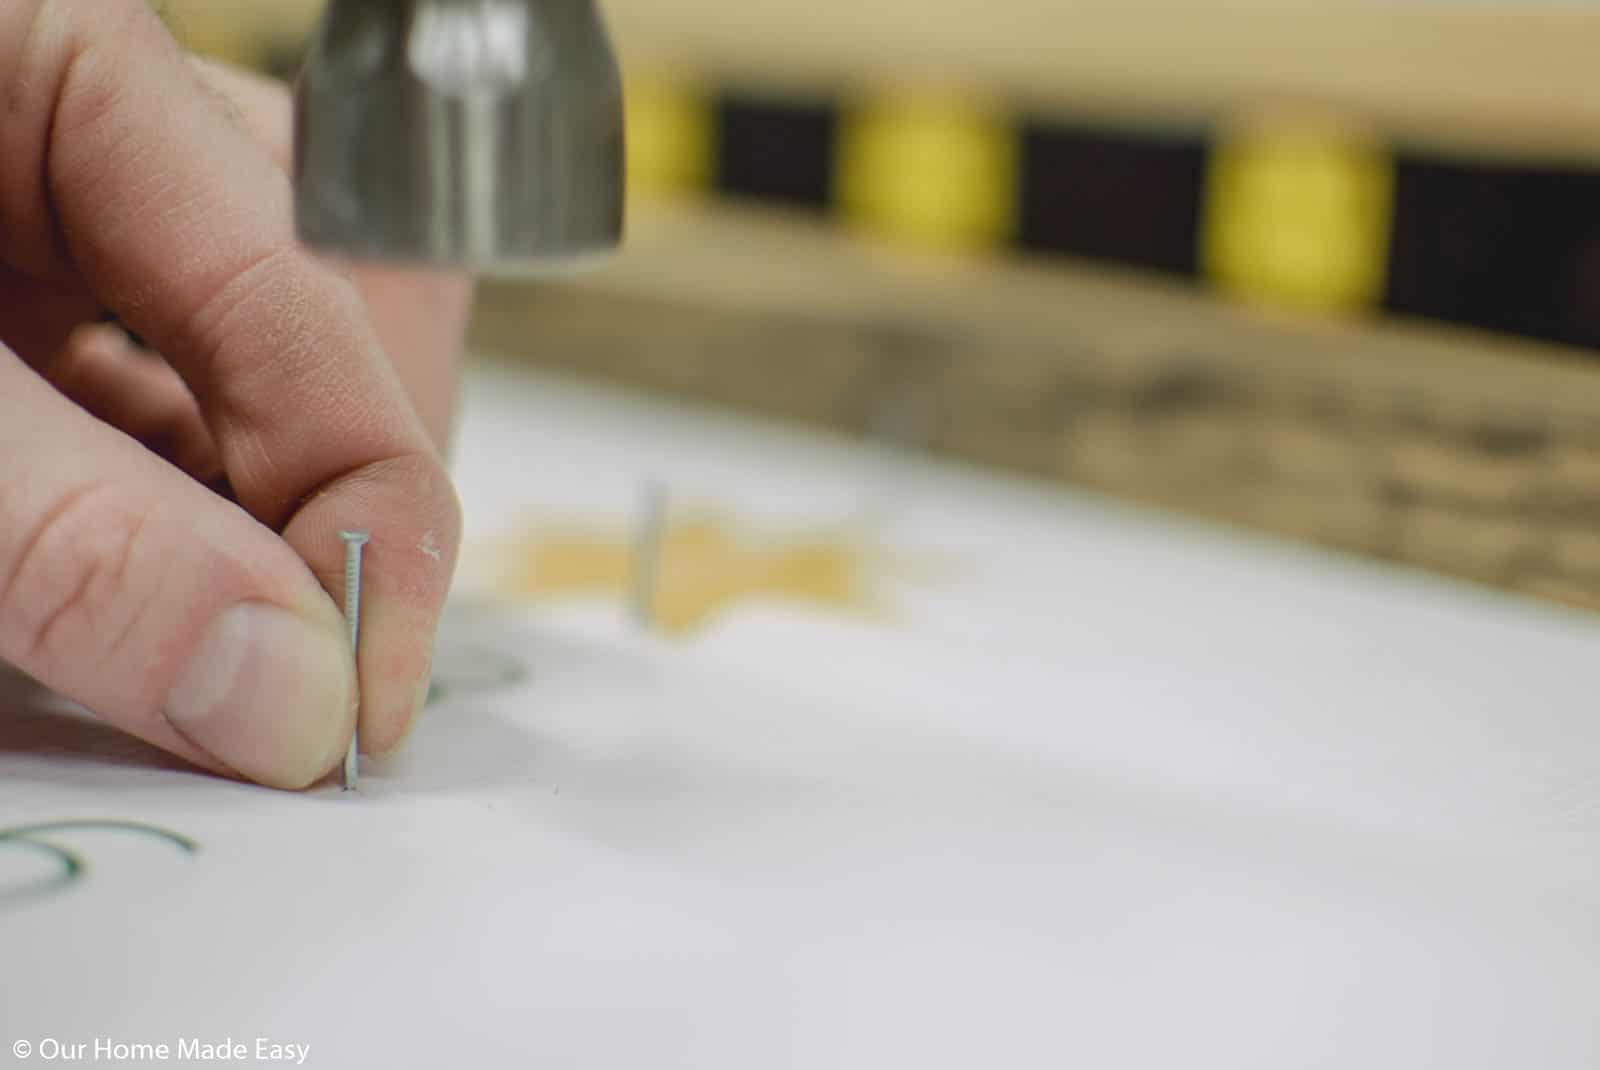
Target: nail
x,y
353,542
269,693
419,700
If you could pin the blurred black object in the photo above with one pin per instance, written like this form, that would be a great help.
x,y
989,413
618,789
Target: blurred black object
x,y
1506,248
1106,195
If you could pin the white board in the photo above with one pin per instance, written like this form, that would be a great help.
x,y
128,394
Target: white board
x,y
1108,791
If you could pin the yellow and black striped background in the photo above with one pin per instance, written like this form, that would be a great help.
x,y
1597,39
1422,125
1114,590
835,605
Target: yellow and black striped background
x,y
1303,207
1291,209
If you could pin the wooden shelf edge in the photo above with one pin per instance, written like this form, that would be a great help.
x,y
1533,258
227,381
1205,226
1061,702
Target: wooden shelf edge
x,y
1455,452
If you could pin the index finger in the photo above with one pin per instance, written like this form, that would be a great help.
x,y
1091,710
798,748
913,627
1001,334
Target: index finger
x,y
180,224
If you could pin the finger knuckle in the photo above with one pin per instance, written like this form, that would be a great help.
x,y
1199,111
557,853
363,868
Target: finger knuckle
x,y
81,38
263,293
79,59
68,579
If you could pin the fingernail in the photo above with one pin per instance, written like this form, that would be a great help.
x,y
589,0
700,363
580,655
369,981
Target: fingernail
x,y
269,693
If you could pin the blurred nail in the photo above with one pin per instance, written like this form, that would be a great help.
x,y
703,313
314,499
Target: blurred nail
x,y
419,701
269,693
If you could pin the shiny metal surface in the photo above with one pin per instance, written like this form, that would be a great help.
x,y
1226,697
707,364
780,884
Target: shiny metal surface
x,y
484,134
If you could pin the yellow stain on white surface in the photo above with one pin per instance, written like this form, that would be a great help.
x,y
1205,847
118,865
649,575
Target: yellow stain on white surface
x,y
1297,214
671,134
705,566
935,169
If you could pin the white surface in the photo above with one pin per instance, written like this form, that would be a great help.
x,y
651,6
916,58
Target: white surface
x,y
1107,791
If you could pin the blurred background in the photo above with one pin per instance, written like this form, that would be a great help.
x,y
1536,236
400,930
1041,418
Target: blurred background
x,y
1326,269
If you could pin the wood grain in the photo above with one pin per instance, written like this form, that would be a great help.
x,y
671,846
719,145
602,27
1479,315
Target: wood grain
x,y
1461,453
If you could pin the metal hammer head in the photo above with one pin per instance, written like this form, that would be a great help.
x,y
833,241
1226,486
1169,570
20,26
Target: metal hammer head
x,y
479,134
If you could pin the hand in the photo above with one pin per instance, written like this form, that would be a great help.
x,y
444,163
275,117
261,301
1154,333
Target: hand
x,y
420,316
181,591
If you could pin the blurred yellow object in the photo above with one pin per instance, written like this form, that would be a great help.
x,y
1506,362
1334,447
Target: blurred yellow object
x,y
671,134
239,31
1297,214
704,568
937,170
211,34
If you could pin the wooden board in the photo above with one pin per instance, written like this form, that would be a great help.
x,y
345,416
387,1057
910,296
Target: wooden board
x,y
1519,83
1507,82
1458,452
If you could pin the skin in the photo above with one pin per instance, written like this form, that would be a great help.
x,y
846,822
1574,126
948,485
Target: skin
x,y
143,497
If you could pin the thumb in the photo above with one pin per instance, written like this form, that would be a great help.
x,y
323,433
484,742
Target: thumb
x,y
161,607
